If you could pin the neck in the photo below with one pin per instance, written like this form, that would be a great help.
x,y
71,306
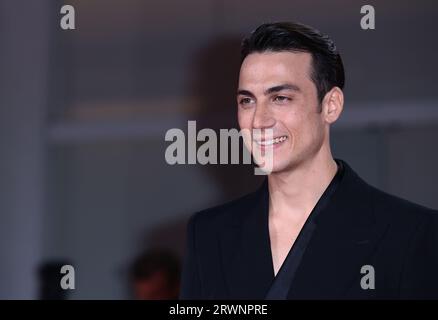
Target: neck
x,y
294,193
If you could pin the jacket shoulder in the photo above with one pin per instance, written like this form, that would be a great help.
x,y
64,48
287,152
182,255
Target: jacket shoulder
x,y
397,208
385,207
229,213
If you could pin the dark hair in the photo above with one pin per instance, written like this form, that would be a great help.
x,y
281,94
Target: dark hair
x,y
327,67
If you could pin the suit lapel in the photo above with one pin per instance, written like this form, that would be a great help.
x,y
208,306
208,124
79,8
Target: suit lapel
x,y
245,250
344,240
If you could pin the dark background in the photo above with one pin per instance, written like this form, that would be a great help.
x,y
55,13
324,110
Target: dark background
x,y
83,114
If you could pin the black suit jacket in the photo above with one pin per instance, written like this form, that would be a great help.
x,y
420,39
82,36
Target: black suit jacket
x,y
228,254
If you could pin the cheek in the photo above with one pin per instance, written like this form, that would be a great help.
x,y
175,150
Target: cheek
x,y
313,130
292,121
244,117
303,128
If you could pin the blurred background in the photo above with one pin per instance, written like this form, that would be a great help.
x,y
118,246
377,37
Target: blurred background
x,y
84,112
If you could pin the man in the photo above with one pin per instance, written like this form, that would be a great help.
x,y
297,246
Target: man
x,y
315,229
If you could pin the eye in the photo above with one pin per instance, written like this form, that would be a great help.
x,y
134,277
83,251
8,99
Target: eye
x,y
245,101
282,99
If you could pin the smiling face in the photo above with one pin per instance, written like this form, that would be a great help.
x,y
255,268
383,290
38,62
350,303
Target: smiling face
x,y
276,92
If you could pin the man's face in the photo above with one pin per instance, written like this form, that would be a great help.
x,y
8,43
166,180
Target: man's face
x,y
276,92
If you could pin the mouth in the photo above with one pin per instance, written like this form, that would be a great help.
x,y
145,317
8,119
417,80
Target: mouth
x,y
274,141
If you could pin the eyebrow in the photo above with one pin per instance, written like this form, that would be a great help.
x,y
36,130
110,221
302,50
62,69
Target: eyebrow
x,y
281,87
286,86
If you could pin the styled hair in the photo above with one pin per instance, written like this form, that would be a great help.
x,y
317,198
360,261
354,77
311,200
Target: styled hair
x,y
327,67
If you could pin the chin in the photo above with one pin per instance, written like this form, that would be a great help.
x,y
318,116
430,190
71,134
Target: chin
x,y
279,166
285,164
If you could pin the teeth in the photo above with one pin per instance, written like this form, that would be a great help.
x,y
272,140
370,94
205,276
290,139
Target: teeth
x,y
272,141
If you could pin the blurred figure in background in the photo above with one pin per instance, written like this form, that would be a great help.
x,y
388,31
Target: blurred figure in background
x,y
49,276
155,275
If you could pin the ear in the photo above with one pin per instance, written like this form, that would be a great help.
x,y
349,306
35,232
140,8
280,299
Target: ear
x,y
332,105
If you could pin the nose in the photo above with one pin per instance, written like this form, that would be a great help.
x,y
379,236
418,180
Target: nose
x,y
262,118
